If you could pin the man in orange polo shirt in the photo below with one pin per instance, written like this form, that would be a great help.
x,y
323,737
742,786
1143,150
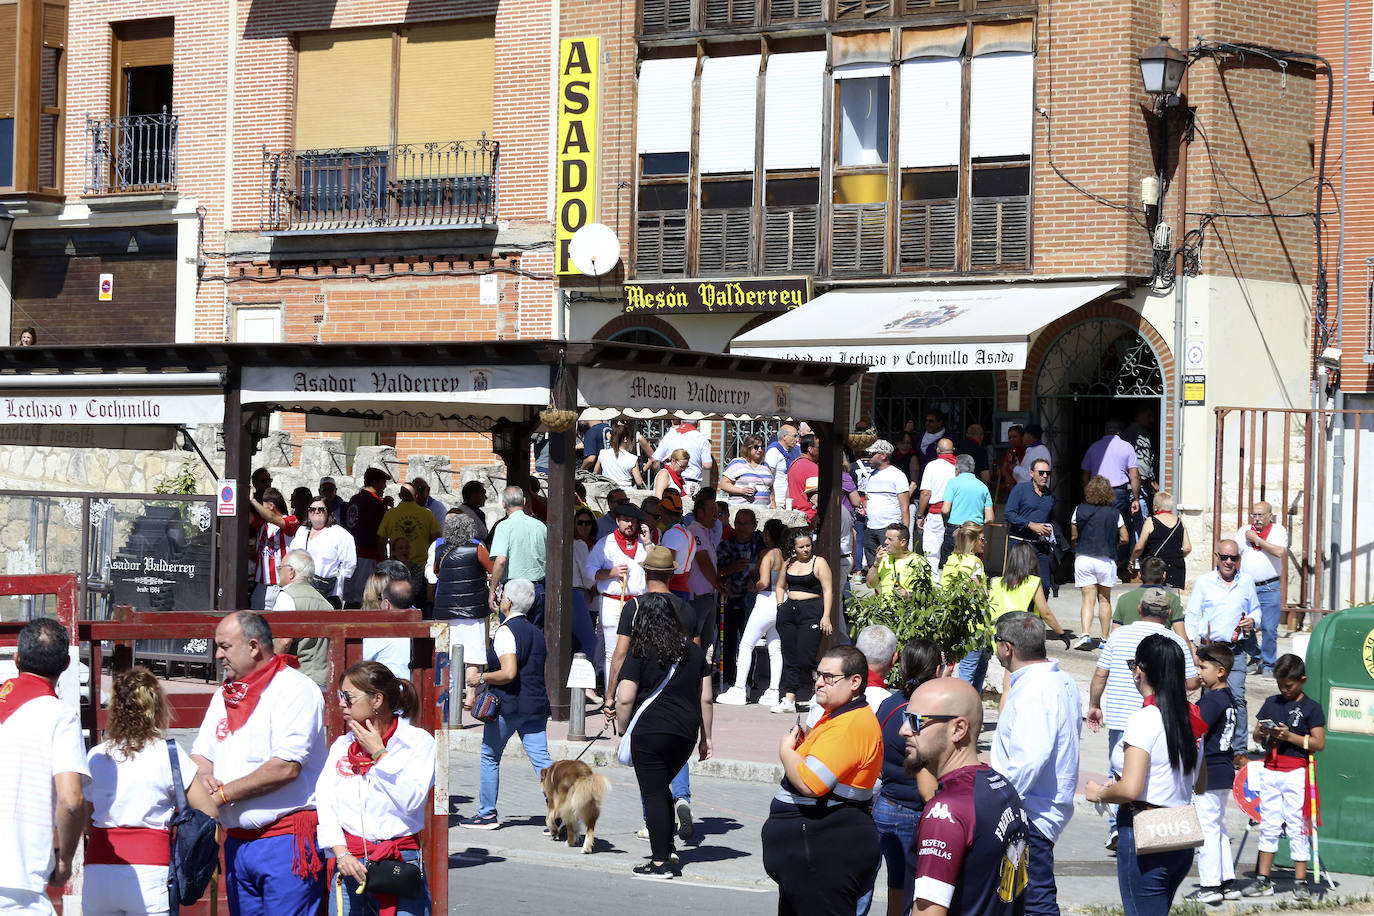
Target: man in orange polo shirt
x,y
819,842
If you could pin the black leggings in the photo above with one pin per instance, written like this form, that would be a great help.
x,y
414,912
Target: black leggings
x,y
799,628
657,759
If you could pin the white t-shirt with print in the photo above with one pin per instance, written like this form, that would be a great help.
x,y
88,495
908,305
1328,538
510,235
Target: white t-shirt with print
x,y
883,489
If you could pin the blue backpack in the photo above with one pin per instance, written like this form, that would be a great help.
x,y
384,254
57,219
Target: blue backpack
x,y
195,845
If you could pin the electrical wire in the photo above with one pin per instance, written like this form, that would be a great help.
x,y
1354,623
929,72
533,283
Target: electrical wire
x,y
1098,198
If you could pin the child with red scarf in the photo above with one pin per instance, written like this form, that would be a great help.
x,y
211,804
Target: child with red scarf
x,y
371,794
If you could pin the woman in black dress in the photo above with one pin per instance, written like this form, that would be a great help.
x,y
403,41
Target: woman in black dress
x,y
1164,536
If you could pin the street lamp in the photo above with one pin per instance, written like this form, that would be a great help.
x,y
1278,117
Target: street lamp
x,y
1161,67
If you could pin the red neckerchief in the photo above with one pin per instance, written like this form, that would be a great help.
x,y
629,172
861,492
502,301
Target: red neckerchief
x,y
1264,535
1194,717
241,696
626,545
686,427
360,760
949,458
17,691
875,681
677,478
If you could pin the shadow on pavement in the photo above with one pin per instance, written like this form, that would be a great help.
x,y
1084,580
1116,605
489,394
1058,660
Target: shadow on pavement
x,y
472,856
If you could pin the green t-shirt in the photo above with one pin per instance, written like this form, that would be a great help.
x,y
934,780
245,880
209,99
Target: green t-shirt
x,y
522,540
1128,606
415,523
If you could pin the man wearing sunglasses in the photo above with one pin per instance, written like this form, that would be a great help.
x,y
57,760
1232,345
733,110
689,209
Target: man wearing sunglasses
x,y
1225,609
819,842
972,850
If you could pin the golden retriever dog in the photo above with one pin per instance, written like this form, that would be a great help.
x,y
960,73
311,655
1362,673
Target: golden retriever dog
x,y
574,793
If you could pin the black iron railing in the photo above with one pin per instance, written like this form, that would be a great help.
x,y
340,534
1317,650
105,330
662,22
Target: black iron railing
x,y
132,154
450,183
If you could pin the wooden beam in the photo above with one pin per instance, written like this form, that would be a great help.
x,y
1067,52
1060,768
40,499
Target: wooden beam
x,y
234,549
28,77
831,503
558,570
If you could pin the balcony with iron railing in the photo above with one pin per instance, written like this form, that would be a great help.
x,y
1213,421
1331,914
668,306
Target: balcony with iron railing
x,y
131,155
448,184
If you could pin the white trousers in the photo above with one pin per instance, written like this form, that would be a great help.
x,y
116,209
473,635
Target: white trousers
x,y
1281,798
608,609
125,890
30,903
1215,863
762,624
932,539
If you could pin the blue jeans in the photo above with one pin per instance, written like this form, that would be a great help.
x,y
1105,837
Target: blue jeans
x,y
495,736
1235,681
974,668
535,615
896,833
1269,625
1148,883
1113,739
1042,897
1122,501
259,880
859,527
366,904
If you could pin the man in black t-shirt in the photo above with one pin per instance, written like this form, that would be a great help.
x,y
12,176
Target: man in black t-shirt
x,y
971,854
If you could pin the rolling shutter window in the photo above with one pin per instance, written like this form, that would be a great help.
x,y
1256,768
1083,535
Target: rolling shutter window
x,y
729,94
145,43
794,93
664,120
932,92
9,58
55,25
343,90
1001,102
446,82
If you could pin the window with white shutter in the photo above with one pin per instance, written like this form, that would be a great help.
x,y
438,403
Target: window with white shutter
x,y
794,87
1001,112
663,131
928,150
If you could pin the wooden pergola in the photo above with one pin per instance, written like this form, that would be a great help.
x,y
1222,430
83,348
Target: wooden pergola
x,y
496,387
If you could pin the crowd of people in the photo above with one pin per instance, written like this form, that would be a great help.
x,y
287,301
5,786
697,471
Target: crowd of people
x,y
874,778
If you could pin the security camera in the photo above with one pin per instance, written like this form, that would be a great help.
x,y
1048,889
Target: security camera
x,y
1331,358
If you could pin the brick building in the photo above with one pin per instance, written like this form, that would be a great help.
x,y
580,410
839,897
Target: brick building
x,y
932,161
247,170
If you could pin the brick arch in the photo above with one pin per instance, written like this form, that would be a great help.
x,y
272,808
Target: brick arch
x,y
652,322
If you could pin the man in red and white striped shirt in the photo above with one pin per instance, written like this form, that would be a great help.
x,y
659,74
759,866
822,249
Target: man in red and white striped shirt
x,y
273,537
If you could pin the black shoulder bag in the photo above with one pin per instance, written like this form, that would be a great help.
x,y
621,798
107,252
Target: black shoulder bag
x,y
195,844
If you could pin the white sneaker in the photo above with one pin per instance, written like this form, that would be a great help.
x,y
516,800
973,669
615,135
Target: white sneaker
x,y
769,698
733,697
1084,642
786,706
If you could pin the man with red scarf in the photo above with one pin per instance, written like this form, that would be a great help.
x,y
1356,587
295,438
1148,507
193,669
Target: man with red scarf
x,y
930,509
1263,544
42,776
260,750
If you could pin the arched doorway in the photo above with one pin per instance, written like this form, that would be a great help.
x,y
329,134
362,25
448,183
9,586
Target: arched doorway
x,y
1096,370
642,334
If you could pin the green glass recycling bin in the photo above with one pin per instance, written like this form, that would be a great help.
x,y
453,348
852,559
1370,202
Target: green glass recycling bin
x,y
1340,676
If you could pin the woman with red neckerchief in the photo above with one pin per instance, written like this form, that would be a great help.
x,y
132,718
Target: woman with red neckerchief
x,y
670,477
371,794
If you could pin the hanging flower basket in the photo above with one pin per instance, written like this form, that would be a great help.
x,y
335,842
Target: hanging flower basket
x,y
558,421
860,441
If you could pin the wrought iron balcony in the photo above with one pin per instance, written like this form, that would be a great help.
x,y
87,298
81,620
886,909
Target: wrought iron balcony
x,y
135,154
442,184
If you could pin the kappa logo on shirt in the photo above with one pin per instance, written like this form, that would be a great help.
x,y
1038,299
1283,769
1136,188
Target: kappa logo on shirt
x,y
222,730
940,811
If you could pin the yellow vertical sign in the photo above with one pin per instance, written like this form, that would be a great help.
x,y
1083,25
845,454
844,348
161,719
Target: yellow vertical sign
x,y
577,90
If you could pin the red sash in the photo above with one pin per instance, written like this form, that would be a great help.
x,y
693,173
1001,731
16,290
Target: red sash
x,y
15,692
386,849
303,825
241,696
129,846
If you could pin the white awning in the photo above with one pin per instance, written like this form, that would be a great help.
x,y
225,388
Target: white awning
x,y
118,399
630,392
921,329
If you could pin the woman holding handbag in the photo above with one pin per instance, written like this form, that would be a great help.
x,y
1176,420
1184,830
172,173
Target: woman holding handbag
x,y
371,796
1160,761
1164,536
132,800
663,702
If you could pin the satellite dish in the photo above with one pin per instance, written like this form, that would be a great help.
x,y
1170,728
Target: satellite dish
x,y
594,249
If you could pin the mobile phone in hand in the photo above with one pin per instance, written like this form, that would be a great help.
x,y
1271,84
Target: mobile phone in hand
x,y
1267,724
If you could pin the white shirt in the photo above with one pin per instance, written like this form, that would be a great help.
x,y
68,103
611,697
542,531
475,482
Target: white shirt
x,y
1121,698
607,554
1254,562
1022,472
694,441
43,738
680,541
1163,785
1036,747
386,802
1215,609
707,540
883,488
135,791
936,475
288,724
616,466
392,651
333,551
431,576
776,460
580,553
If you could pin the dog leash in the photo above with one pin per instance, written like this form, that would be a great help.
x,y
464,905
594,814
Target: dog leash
x,y
594,738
